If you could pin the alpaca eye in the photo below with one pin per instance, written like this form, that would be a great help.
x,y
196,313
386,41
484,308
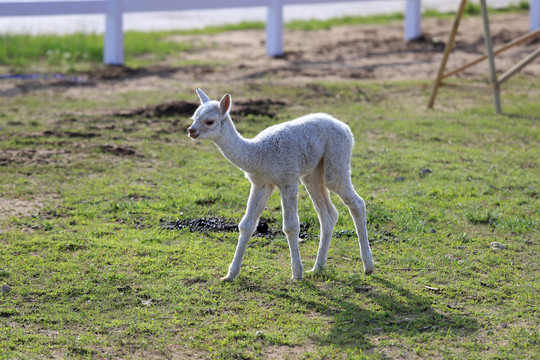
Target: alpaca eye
x,y
209,122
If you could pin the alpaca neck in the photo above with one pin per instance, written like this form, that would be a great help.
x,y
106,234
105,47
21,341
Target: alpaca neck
x,y
234,147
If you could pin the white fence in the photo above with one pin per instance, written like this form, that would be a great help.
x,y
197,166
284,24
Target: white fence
x,y
113,52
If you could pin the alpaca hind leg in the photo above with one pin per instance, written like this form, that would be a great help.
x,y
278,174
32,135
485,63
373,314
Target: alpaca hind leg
x,y
326,212
291,226
344,189
258,197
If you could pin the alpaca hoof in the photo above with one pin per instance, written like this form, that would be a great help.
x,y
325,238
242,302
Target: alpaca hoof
x,y
317,267
368,265
368,271
227,278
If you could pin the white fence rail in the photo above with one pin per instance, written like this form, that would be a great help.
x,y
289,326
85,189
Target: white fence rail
x,y
113,52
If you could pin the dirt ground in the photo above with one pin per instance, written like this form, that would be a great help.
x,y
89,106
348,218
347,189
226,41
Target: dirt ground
x,y
367,51
363,52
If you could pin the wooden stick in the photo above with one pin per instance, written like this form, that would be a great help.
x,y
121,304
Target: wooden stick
x,y
520,65
446,54
505,47
491,60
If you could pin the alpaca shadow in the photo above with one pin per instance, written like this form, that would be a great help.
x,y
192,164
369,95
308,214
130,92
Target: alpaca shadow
x,y
397,311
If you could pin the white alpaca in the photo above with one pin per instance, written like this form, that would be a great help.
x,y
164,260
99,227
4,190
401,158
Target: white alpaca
x,y
315,149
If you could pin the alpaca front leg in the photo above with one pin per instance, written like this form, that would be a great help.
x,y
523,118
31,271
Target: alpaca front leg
x,y
291,227
234,268
258,197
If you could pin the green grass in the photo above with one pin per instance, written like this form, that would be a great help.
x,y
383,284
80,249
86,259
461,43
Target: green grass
x,y
79,52
76,52
93,275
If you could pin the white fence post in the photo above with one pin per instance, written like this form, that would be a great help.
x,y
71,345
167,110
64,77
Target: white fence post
x,y
534,9
413,18
274,28
113,47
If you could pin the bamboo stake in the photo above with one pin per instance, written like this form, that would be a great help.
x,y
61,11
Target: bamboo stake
x,y
446,54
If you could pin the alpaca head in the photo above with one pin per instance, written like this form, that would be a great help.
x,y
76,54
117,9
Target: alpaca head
x,y
210,117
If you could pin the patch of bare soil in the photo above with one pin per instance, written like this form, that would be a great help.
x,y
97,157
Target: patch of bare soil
x,y
18,207
112,72
220,224
31,156
242,108
173,108
257,107
342,52
119,150
365,51
64,134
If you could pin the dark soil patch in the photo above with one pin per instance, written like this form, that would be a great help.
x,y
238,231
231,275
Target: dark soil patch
x,y
64,134
118,150
426,43
221,224
31,156
5,161
201,224
114,72
256,107
241,108
173,108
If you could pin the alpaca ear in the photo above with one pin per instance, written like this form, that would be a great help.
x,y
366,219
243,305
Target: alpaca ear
x,y
225,104
202,96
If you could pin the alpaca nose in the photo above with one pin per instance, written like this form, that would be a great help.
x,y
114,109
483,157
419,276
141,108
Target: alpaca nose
x,y
192,133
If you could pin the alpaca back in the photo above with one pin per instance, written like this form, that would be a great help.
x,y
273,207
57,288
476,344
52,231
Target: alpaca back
x,y
294,148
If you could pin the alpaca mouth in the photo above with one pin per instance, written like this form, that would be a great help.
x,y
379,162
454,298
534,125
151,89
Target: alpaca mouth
x,y
193,135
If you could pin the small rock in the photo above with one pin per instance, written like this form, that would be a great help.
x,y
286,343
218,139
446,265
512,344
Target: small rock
x,y
259,333
5,288
498,246
433,231
147,302
399,178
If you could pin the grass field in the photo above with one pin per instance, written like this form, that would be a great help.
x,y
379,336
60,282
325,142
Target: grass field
x,y
88,271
